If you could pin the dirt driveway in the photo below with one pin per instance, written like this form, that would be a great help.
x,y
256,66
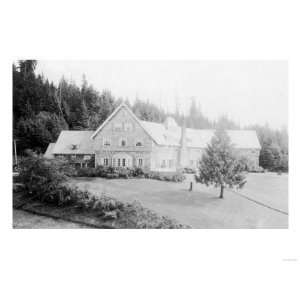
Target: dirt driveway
x,y
202,208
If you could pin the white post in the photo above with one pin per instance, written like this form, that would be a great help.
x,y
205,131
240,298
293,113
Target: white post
x,y
15,150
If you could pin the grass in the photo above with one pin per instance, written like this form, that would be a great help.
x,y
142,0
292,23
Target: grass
x,y
202,208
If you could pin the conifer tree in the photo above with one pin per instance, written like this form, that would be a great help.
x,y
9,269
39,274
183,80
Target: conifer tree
x,y
219,165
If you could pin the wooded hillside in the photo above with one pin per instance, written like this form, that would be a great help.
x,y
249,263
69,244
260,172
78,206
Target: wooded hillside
x,y
41,110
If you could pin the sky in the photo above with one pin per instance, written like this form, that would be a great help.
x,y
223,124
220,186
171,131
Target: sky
x,y
248,92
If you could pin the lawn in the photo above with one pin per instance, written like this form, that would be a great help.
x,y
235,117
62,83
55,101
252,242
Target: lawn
x,y
202,208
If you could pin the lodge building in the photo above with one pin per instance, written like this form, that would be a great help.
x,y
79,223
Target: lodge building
x,y
125,141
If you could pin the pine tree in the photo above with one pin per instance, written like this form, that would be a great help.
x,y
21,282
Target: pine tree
x,y
219,165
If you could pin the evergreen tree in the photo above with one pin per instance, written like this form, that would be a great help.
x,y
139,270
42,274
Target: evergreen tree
x,y
219,165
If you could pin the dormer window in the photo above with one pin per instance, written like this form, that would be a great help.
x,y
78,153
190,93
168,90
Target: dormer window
x,y
139,144
106,143
74,147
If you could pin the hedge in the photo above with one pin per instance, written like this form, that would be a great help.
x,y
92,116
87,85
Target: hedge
x,y
118,172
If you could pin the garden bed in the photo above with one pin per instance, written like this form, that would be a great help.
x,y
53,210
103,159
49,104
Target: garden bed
x,y
44,191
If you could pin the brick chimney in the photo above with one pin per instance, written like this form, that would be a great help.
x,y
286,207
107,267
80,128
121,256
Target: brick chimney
x,y
182,155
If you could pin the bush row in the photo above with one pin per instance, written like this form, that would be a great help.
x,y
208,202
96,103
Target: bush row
x,y
118,172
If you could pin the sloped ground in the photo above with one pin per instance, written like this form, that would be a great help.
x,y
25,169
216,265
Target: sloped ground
x,y
202,208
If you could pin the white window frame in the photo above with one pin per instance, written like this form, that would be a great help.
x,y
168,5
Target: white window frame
x,y
140,162
106,159
105,140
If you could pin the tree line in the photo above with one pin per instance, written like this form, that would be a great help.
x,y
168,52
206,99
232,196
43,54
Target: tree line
x,y
41,110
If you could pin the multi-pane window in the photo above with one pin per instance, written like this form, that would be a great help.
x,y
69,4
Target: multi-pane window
x,y
106,143
106,161
124,162
119,162
140,162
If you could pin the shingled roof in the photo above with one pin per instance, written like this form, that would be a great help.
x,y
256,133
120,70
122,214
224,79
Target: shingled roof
x,y
74,142
49,151
199,138
168,134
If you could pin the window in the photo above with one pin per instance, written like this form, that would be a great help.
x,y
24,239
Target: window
x,y
191,162
171,163
106,142
163,163
73,156
124,162
105,161
119,162
128,126
74,146
139,144
86,157
118,126
140,162
123,142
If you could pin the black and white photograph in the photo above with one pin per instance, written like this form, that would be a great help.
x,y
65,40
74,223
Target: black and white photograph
x,y
150,150
150,144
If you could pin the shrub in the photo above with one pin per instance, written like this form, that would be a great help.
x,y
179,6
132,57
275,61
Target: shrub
x,y
189,171
123,172
42,178
120,172
86,172
44,181
134,215
259,170
112,176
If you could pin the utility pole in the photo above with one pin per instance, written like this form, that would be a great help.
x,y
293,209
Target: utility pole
x,y
15,150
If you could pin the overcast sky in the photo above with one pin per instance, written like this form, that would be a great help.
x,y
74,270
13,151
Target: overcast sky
x,y
246,91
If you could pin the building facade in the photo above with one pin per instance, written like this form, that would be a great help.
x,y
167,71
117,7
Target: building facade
x,y
125,141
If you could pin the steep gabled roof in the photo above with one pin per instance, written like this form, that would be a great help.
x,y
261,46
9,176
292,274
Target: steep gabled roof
x,y
122,105
74,142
